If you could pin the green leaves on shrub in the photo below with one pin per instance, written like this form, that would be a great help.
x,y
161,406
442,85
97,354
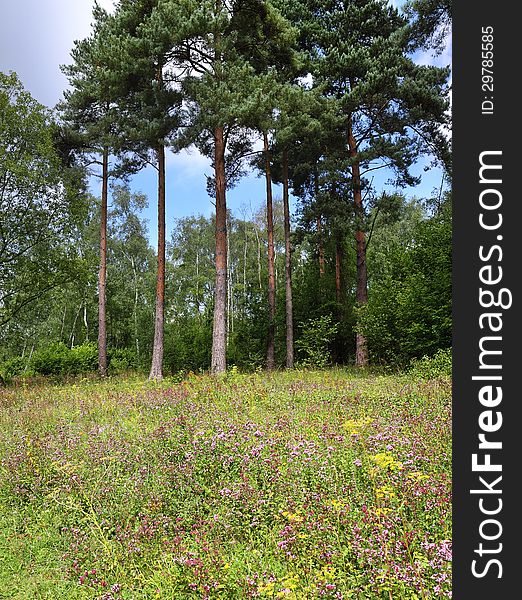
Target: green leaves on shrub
x,y
58,359
432,367
315,341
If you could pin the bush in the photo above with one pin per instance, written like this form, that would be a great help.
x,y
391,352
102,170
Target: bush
x,y
122,360
14,367
315,341
58,359
51,360
82,359
432,367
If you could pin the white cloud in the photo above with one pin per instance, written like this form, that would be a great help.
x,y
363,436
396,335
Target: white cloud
x,y
443,59
36,37
189,164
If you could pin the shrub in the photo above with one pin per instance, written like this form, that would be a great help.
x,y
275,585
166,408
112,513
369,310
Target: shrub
x,y
82,359
432,367
122,360
51,360
14,367
58,359
315,341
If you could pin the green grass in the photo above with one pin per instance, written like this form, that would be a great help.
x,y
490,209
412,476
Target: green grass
x,y
332,484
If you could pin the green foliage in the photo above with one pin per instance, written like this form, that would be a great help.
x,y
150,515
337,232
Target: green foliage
x,y
187,345
315,341
432,367
41,205
409,309
232,62
294,485
14,367
122,360
58,359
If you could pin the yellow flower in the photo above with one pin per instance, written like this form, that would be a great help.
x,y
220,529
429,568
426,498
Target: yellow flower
x,y
354,426
292,517
267,589
417,476
386,461
328,572
384,492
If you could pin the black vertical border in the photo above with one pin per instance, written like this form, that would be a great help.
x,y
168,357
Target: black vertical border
x,y
473,133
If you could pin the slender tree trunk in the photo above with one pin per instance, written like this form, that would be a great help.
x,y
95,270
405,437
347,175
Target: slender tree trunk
x,y
319,228
218,361
156,369
321,245
288,269
73,329
338,271
63,322
28,362
102,275
229,292
135,310
361,295
85,322
258,258
245,265
270,353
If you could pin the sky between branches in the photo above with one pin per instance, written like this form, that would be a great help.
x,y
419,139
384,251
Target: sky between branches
x,y
36,37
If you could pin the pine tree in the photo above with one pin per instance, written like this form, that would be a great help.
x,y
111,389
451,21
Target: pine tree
x,y
139,67
225,47
389,108
87,112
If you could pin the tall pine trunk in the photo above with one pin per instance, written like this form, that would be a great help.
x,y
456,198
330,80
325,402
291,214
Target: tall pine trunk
x,y
319,227
338,271
320,243
219,331
270,353
102,275
361,294
288,269
156,369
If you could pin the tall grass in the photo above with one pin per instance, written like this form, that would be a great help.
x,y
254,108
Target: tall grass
x,y
292,485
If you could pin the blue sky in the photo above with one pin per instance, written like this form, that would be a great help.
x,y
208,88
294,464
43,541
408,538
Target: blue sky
x,y
37,36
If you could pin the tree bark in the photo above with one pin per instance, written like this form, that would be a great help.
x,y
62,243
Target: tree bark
x,y
218,361
338,271
288,269
321,245
156,369
361,295
102,274
319,228
270,353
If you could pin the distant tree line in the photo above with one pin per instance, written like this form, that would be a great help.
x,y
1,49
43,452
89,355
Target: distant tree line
x,y
316,95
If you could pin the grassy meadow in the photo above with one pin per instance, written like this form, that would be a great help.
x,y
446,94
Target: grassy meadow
x,y
296,485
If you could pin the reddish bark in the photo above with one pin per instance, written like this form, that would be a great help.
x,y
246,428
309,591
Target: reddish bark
x,y
219,332
361,295
270,354
338,272
320,245
288,269
156,370
102,275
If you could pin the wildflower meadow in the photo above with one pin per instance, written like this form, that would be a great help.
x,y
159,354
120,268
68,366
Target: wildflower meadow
x,y
295,485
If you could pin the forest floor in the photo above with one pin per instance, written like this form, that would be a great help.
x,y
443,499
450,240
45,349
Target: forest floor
x,y
296,485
